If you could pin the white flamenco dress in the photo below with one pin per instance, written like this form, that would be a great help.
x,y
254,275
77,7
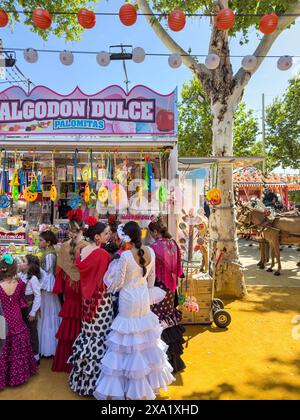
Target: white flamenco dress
x,y
135,365
49,320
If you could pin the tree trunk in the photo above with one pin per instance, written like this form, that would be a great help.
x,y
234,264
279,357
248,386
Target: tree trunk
x,y
228,272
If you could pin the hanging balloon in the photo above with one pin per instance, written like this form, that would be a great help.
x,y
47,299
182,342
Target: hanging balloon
x,y
33,185
103,194
92,200
225,19
175,61
66,58
75,201
87,193
138,55
15,193
53,193
4,201
285,63
3,18
117,194
176,20
31,55
249,62
103,58
162,194
29,196
86,18
128,14
41,18
268,23
212,61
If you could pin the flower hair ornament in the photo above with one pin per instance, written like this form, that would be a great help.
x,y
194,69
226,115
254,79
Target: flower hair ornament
x,y
91,221
8,259
44,228
121,234
76,215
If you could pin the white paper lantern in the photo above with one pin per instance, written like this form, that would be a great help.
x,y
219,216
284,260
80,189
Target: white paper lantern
x,y
175,61
212,61
138,55
103,58
31,55
285,62
66,58
249,62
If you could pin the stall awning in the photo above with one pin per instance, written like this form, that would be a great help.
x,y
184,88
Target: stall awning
x,y
189,163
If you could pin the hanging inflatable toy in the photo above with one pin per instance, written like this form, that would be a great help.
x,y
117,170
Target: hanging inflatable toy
x,y
92,200
53,189
214,196
75,200
29,195
103,194
39,184
4,199
162,194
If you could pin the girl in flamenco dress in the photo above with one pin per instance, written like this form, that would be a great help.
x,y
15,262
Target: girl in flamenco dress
x,y
168,268
135,364
49,321
97,311
67,282
17,362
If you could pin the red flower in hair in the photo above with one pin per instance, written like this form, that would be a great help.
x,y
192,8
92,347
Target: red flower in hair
x,y
75,215
91,221
112,219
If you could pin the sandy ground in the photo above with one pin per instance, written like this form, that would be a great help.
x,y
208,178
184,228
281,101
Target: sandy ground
x,y
257,357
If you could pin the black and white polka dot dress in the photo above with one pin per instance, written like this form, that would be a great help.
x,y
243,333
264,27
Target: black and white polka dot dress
x,y
89,348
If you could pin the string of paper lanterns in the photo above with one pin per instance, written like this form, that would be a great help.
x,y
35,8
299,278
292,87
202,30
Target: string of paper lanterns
x,y
212,60
224,19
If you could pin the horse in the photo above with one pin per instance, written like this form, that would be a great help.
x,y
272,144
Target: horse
x,y
282,230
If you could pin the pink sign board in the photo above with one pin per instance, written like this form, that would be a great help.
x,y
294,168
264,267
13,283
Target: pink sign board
x,y
108,112
12,236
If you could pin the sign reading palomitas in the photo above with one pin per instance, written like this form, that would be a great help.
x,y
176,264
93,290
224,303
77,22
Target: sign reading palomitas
x,y
108,112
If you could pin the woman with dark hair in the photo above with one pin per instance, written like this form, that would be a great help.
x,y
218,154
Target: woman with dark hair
x,y
168,269
97,311
135,364
67,282
31,275
17,363
49,321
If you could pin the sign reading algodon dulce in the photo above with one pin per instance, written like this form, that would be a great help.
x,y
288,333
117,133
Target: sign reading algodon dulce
x,y
108,112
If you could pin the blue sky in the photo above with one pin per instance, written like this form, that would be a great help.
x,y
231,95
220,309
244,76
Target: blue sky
x,y
155,71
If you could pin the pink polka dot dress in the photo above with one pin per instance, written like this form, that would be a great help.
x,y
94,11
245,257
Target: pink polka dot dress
x,y
17,363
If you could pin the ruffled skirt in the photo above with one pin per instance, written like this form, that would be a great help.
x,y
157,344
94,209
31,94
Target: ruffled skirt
x,y
17,363
89,348
135,365
48,323
67,333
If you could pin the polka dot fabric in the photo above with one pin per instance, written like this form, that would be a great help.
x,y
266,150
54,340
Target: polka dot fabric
x,y
17,363
89,348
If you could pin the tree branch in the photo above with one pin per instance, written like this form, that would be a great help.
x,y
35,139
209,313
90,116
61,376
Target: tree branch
x,y
169,42
242,77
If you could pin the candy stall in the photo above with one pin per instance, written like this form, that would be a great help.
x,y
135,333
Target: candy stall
x,y
111,154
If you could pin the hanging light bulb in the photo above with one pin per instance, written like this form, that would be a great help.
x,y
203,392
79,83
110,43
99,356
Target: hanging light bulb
x,y
66,58
138,55
249,62
212,61
103,58
285,62
175,61
31,55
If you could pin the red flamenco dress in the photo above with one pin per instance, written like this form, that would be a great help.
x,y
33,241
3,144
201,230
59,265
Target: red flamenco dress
x,y
70,313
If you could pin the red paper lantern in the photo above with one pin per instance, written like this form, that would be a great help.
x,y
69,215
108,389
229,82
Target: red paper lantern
x,y
86,18
128,14
225,19
268,23
176,20
42,18
3,18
